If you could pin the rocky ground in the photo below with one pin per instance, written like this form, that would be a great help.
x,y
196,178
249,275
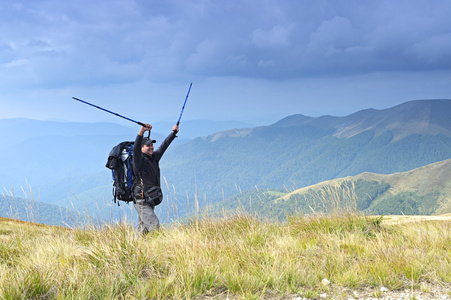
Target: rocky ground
x,y
424,291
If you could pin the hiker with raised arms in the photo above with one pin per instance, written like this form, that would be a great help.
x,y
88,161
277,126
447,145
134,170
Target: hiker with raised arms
x,y
147,185
136,170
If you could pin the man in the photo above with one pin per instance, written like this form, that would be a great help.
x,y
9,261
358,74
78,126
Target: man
x,y
147,187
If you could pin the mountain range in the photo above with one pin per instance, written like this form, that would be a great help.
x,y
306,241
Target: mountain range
x,y
65,162
299,151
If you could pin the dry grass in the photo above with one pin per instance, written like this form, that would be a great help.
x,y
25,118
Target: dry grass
x,y
236,257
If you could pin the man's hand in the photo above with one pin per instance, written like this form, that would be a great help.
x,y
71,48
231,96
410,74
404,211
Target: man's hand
x,y
175,129
145,128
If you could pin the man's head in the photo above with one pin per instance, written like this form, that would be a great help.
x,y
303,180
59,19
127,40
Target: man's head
x,y
147,146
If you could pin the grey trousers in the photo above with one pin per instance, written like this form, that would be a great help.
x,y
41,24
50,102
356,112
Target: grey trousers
x,y
148,220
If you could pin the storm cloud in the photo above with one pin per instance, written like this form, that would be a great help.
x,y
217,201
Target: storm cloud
x,y
51,44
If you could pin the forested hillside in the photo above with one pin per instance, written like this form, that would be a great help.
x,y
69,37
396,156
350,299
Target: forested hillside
x,y
38,212
422,191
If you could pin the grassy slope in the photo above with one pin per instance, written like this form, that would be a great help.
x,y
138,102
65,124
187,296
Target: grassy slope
x,y
424,180
421,181
236,258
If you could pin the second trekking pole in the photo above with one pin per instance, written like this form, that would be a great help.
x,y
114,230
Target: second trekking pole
x,y
183,108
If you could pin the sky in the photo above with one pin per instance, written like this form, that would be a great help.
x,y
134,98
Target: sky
x,y
255,61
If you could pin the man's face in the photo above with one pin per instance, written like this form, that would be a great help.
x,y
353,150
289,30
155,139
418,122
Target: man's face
x,y
147,149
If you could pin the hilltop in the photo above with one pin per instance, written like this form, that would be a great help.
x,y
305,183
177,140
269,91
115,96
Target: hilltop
x,y
431,181
425,117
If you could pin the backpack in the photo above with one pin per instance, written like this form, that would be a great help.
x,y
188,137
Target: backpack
x,y
120,161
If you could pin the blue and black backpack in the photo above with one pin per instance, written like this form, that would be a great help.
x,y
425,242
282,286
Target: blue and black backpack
x,y
120,161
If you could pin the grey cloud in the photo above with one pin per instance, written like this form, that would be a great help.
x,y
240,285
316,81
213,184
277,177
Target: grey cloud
x,y
325,38
124,40
433,51
276,37
333,36
40,44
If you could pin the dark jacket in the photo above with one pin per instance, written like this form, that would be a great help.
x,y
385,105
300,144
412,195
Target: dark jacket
x,y
146,167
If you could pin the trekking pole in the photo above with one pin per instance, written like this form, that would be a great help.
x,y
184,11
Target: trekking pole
x,y
139,123
183,108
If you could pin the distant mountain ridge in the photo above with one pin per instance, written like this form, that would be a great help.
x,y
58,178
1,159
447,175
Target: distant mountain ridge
x,y
420,117
197,128
413,117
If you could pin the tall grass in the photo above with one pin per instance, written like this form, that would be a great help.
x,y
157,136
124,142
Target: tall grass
x,y
236,256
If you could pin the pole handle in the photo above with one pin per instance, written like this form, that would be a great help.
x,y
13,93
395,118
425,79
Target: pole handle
x,y
173,131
